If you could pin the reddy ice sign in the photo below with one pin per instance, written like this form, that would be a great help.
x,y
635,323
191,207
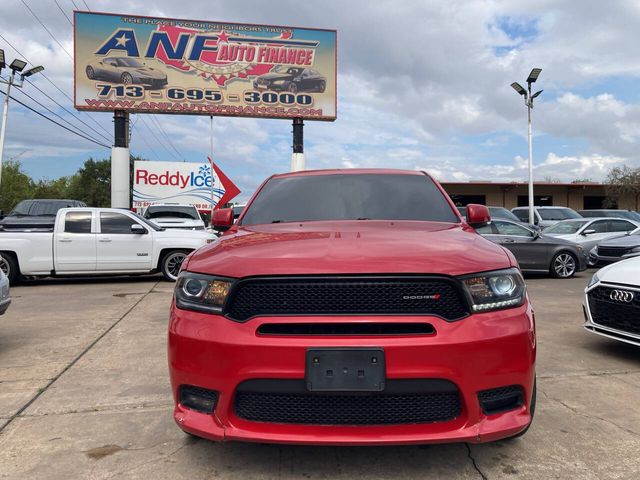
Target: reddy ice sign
x,y
180,182
162,65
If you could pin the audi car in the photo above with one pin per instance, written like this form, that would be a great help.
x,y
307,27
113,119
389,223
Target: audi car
x,y
291,79
612,302
127,71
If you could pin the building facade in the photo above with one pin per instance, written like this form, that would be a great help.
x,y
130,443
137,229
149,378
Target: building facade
x,y
578,196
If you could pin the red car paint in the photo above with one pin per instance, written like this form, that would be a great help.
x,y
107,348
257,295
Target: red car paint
x,y
480,352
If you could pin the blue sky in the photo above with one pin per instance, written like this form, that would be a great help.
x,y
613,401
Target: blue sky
x,y
420,85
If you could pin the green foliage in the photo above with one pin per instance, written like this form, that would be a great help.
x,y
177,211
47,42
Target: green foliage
x,y
15,186
91,184
623,181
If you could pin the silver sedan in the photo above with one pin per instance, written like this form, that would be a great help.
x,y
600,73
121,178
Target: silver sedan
x,y
588,232
5,297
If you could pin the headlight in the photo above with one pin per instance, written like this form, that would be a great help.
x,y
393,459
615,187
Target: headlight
x,y
278,82
635,250
202,293
495,290
594,279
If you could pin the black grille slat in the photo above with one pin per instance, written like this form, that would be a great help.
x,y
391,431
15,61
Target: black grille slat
x,y
612,251
380,408
337,329
346,296
614,314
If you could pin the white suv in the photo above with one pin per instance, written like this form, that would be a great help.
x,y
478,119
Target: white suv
x,y
169,215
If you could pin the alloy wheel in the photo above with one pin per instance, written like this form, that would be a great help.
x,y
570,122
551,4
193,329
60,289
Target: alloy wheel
x,y
564,265
173,262
4,266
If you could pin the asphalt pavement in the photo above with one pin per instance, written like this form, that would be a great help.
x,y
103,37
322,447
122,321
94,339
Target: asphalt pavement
x,y
84,394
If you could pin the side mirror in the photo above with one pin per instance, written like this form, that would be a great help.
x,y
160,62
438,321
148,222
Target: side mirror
x,y
478,215
222,219
138,229
588,231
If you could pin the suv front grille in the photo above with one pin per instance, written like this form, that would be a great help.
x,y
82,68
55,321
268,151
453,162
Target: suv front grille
x,y
620,315
438,296
402,402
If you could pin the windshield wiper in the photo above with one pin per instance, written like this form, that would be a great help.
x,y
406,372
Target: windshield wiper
x,y
276,221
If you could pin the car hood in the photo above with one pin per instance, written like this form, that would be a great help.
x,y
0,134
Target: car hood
x,y
276,76
347,247
625,271
179,233
556,239
150,72
624,241
176,221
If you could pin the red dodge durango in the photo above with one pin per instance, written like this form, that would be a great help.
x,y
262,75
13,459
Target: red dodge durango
x,y
352,307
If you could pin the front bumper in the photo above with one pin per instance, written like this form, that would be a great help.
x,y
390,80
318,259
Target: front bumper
x,y
4,304
481,352
596,260
604,330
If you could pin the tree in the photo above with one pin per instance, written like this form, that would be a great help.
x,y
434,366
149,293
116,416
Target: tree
x,y
92,183
16,186
623,181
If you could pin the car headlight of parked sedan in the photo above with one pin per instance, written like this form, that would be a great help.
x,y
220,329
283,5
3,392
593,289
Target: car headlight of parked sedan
x,y
594,279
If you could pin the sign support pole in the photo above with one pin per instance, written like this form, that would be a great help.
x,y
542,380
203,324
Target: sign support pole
x,y
297,157
120,161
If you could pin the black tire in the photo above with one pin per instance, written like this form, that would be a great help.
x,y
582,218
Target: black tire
x,y
10,267
126,79
564,264
293,88
171,262
90,73
532,409
322,87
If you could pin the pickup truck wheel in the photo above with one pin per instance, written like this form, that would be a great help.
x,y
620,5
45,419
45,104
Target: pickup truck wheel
x,y
9,266
171,264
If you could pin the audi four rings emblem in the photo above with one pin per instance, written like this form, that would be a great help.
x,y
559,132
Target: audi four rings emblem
x,y
621,296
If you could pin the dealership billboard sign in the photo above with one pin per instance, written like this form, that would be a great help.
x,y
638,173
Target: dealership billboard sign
x,y
164,65
185,183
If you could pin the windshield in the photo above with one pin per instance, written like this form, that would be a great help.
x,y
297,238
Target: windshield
x,y
557,213
129,62
171,211
349,197
567,227
22,208
503,214
289,70
148,223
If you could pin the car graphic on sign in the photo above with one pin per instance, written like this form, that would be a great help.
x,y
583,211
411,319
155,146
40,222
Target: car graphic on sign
x,y
127,71
291,79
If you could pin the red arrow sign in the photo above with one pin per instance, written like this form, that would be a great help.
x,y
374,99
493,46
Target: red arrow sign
x,y
230,189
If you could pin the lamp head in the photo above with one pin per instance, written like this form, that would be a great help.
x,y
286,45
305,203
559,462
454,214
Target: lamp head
x,y
33,70
533,76
518,88
18,65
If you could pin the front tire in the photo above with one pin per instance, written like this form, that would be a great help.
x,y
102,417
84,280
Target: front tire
x,y
322,86
293,88
563,265
171,263
126,79
90,73
9,265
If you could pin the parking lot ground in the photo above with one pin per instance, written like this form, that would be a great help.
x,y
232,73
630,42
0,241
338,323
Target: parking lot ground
x,y
84,393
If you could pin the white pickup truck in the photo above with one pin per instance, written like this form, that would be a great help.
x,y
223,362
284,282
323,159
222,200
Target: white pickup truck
x,y
96,241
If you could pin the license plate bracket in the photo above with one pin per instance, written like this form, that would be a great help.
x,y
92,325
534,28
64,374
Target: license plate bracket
x,y
345,370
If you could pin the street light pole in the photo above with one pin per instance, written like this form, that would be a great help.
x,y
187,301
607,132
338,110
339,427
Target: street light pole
x,y
5,116
528,101
17,66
